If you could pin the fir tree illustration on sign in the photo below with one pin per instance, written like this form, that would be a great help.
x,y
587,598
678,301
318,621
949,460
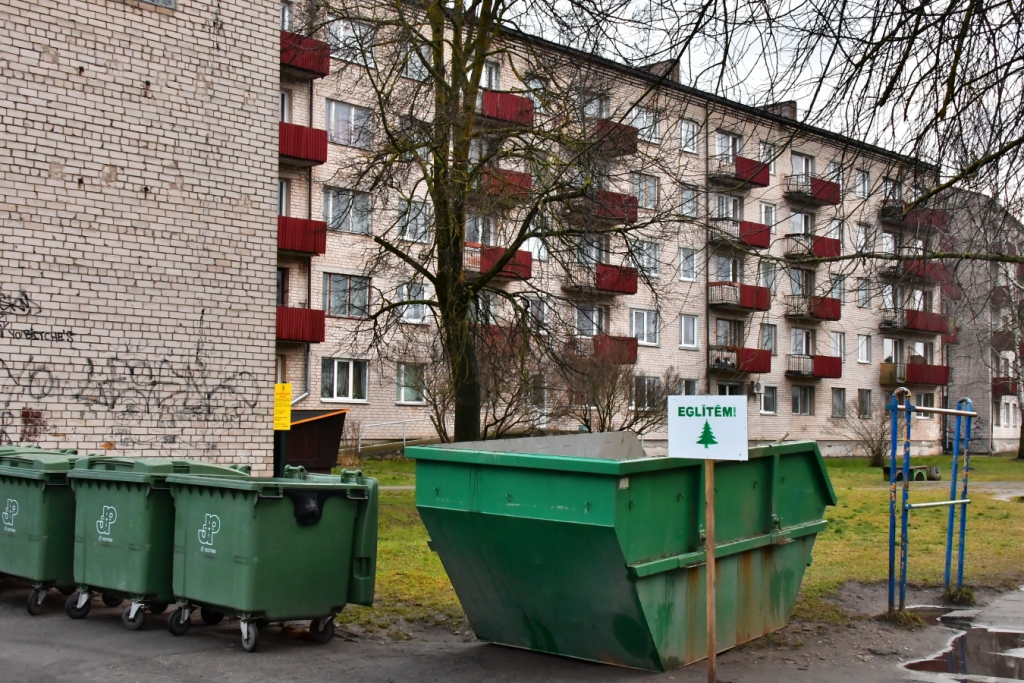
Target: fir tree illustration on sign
x,y
707,437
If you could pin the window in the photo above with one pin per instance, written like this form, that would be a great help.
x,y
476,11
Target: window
x,y
803,400
888,243
412,312
729,207
409,383
768,216
351,41
837,288
766,155
727,269
863,348
770,400
730,389
343,379
728,145
892,189
769,333
284,106
801,223
688,331
835,230
349,125
687,264
892,350
646,122
802,342
861,237
644,326
863,403
803,166
688,201
838,344
595,105
286,16
414,222
922,352
491,75
416,62
282,286
801,282
347,211
838,402
536,91
346,296
284,187
645,189
689,387
537,248
927,400
280,368
766,276
835,173
592,249
646,256
537,309
688,136
729,332
646,392
862,184
480,230
590,320
863,292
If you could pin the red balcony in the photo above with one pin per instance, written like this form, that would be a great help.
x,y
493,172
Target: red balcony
x,y
519,267
739,171
501,182
615,207
756,235
304,58
819,367
810,189
1004,386
813,307
731,359
900,213
732,295
301,235
953,337
601,277
302,146
913,373
300,325
506,108
930,270
618,350
812,246
917,321
612,138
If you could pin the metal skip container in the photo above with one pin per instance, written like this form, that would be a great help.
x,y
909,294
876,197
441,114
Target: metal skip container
x,y
267,550
124,532
585,547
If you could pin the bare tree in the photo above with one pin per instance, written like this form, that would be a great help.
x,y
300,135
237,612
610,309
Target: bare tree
x,y
868,430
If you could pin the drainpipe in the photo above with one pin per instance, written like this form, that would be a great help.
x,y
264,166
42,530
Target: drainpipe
x,y
309,376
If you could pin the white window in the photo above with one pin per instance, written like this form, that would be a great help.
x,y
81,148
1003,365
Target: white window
x,y
835,230
536,91
864,403
286,16
537,248
644,326
801,282
646,122
590,320
417,61
927,400
766,155
803,400
888,243
349,125
892,350
480,230
595,105
803,166
688,135
728,269
346,296
687,264
766,276
802,342
861,238
688,201
838,402
863,348
838,340
729,332
280,368
801,223
416,310
414,222
769,333
347,211
409,383
770,400
645,189
646,393
343,379
689,387
835,173
352,41
837,288
688,325
491,75
892,189
862,182
537,309
768,216
729,207
284,106
863,292
888,297
284,187
647,257
728,145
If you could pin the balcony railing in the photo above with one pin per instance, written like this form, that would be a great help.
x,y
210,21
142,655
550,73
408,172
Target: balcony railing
x,y
739,297
1004,386
480,259
953,337
806,188
898,212
301,235
506,184
914,373
732,359
735,231
614,139
916,321
301,145
505,108
813,307
738,171
616,350
821,367
300,325
304,58
929,270
800,246
601,277
615,207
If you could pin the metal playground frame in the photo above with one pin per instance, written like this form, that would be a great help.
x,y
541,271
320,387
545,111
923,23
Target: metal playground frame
x,y
964,409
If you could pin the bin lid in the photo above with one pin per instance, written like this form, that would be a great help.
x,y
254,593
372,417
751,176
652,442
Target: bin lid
x,y
31,462
148,470
295,478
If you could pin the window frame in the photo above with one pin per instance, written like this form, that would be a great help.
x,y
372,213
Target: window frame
x,y
864,342
350,398
650,321
695,319
350,215
355,52
649,130
646,187
839,391
421,220
404,293
686,254
774,391
355,135
401,385
864,408
328,295
803,398
691,145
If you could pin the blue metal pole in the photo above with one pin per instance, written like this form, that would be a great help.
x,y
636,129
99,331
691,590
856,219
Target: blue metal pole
x,y
963,508
906,499
952,496
894,430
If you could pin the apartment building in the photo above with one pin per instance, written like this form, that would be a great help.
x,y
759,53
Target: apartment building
x,y
731,207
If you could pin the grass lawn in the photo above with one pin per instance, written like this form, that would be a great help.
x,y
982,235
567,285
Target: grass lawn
x,y
412,584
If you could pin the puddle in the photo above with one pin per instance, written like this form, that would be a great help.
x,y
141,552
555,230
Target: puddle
x,y
979,652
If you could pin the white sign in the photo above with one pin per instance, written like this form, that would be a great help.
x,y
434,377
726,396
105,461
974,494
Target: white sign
x,y
707,427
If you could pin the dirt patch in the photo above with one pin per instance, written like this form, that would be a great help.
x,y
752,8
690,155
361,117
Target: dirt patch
x,y
871,599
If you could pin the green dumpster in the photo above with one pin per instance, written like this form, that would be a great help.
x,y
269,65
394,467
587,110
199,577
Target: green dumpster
x,y
38,519
267,550
583,546
124,532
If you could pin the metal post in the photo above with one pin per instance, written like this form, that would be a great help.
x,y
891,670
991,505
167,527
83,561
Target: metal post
x,y
894,430
952,496
908,419
709,564
359,440
404,424
963,510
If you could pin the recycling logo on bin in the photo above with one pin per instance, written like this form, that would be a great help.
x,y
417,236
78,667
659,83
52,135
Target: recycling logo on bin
x,y
211,525
105,522
10,511
707,427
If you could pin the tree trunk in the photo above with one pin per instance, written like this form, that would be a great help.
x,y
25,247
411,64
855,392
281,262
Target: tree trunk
x,y
465,380
1020,439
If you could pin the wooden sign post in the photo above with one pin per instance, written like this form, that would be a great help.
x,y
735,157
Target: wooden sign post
x,y
708,428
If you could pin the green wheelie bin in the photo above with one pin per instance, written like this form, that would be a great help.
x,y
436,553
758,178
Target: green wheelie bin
x,y
296,547
124,532
37,544
584,546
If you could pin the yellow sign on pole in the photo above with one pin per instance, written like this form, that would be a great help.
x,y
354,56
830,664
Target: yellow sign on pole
x,y
282,407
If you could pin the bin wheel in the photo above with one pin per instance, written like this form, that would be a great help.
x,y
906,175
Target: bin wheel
x,y
179,621
322,630
156,607
72,609
250,636
111,600
35,601
66,590
133,623
211,617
